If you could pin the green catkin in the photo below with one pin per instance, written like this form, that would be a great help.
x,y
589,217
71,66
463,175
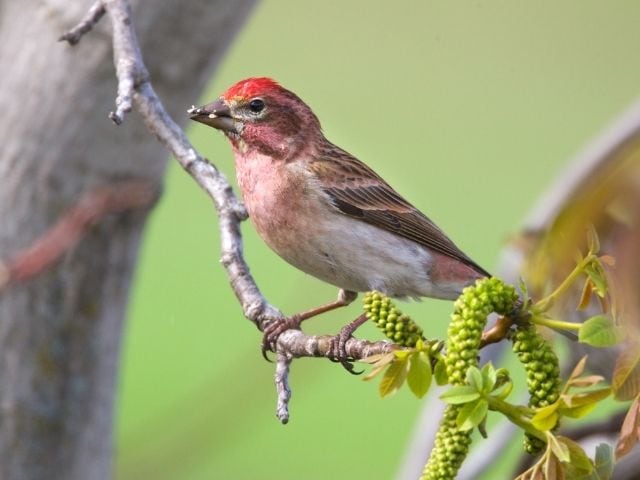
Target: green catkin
x,y
543,374
397,326
450,448
468,320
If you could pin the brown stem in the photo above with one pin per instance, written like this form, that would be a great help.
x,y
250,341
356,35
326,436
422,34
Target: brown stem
x,y
497,332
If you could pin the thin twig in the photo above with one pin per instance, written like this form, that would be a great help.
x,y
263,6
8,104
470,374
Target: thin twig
x,y
281,377
130,68
93,16
298,344
295,344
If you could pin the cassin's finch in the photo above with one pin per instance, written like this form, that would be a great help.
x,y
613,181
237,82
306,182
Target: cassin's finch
x,y
323,210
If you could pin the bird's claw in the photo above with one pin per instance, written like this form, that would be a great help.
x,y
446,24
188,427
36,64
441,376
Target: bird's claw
x,y
274,329
338,352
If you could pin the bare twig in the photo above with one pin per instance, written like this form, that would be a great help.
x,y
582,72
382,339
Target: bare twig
x,y
281,377
90,20
73,225
130,68
294,344
297,344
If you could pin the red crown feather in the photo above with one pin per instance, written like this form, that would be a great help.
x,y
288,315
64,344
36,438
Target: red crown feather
x,y
251,87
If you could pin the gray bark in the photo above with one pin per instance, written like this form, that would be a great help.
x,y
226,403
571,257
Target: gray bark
x,y
60,332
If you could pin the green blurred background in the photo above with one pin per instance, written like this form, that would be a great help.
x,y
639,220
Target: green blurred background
x,y
468,108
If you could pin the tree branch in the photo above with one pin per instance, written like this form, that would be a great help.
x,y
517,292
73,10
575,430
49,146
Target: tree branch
x,y
130,68
295,344
93,16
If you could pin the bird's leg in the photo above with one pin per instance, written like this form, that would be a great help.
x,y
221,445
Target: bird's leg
x,y
345,297
273,330
339,344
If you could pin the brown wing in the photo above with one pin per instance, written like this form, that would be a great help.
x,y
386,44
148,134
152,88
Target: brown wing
x,y
357,191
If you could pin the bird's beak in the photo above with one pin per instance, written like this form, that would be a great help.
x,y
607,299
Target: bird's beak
x,y
216,114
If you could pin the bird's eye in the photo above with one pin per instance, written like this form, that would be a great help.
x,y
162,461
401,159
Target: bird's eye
x,y
256,105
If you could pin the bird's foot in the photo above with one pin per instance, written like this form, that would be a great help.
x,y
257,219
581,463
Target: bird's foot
x,y
274,329
338,351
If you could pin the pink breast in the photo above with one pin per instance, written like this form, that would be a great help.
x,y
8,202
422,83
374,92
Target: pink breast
x,y
275,199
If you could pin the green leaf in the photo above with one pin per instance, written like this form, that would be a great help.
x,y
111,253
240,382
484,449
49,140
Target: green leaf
x,y
419,376
460,394
546,418
378,363
597,277
560,450
523,290
489,377
502,377
472,414
373,373
377,358
474,378
579,459
592,239
440,372
393,378
600,331
401,354
503,390
587,398
604,461
578,411
574,473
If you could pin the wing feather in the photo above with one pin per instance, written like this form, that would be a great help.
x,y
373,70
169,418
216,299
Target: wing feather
x,y
357,191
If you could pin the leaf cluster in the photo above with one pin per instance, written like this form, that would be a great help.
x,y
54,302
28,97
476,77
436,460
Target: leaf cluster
x,y
482,387
414,365
571,403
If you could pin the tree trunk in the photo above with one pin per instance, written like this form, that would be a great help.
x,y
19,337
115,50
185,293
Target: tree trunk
x,y
60,332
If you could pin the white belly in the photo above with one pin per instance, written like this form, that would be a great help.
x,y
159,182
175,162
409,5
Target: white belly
x,y
356,256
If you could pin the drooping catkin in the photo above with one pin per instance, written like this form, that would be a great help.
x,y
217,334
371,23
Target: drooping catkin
x,y
543,374
468,320
398,327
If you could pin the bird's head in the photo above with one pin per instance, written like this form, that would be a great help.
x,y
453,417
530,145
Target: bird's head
x,y
257,114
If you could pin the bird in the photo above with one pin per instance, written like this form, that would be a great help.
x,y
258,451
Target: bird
x,y
326,212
